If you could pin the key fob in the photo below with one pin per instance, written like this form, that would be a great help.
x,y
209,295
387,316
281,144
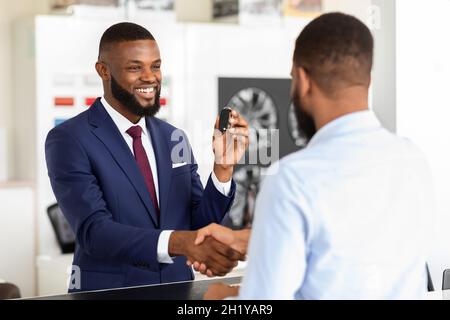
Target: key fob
x,y
224,119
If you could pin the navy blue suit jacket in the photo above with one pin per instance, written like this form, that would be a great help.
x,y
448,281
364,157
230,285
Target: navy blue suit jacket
x,y
102,193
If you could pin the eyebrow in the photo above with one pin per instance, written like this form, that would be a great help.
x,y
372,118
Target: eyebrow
x,y
140,62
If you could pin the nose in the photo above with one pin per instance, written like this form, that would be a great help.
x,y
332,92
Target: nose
x,y
148,75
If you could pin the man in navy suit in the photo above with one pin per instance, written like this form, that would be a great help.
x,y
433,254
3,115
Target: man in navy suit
x,y
132,205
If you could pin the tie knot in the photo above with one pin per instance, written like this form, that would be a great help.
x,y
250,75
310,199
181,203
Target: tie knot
x,y
135,132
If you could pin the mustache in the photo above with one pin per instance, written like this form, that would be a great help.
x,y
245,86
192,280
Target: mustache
x,y
129,101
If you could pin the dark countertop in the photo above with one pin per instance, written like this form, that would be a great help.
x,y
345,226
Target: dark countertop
x,y
190,290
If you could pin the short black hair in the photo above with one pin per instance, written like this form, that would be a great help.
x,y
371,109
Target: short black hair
x,y
123,31
336,50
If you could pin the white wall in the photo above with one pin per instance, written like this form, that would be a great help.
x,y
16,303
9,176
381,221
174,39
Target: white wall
x,y
17,237
17,202
423,104
384,70
357,8
10,11
3,155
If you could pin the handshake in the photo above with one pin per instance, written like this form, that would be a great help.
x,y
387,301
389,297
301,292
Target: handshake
x,y
213,250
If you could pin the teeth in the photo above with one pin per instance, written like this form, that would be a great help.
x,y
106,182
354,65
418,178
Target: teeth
x,y
146,90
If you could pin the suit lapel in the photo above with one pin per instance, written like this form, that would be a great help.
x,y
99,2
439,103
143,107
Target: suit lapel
x,y
163,162
108,133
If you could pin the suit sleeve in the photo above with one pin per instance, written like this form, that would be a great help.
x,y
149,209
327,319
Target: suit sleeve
x,y
81,200
208,205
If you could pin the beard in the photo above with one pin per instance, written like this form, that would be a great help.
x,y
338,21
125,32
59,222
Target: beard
x,y
130,102
305,123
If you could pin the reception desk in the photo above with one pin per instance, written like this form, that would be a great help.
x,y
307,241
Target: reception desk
x,y
189,290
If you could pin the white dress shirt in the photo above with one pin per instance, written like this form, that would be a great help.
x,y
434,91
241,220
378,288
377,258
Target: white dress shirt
x,y
345,218
123,124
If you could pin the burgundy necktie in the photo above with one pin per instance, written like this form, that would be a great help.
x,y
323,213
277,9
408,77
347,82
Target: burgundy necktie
x,y
143,163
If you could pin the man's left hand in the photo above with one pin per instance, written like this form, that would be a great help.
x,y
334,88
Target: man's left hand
x,y
229,147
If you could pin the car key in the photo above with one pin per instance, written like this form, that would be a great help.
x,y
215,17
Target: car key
x,y
224,118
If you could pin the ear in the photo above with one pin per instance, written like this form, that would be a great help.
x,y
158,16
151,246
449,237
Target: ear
x,y
305,82
102,70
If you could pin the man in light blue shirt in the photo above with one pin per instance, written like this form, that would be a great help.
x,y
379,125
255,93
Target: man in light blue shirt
x,y
344,218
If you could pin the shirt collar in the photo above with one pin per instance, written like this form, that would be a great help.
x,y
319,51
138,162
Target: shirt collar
x,y
351,122
122,123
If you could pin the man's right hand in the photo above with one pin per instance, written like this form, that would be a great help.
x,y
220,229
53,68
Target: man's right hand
x,y
219,258
236,239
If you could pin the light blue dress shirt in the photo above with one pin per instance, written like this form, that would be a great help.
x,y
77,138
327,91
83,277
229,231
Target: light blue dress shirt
x,y
345,218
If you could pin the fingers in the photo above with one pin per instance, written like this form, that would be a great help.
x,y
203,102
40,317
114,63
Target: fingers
x,y
237,240
236,120
240,141
213,254
220,233
216,125
213,269
221,259
226,251
220,266
214,266
200,267
201,235
240,136
209,230
217,134
229,147
239,131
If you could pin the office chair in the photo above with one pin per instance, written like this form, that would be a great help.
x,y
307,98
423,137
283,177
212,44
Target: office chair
x,y
9,291
64,234
446,280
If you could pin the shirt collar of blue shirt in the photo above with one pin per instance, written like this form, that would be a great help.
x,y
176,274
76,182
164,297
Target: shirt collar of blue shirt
x,y
354,121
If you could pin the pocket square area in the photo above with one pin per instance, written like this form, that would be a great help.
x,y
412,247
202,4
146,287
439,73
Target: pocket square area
x,y
177,165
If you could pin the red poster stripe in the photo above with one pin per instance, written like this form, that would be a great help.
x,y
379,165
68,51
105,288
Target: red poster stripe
x,y
64,101
89,101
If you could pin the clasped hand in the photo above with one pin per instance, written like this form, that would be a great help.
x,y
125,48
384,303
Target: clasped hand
x,y
230,244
